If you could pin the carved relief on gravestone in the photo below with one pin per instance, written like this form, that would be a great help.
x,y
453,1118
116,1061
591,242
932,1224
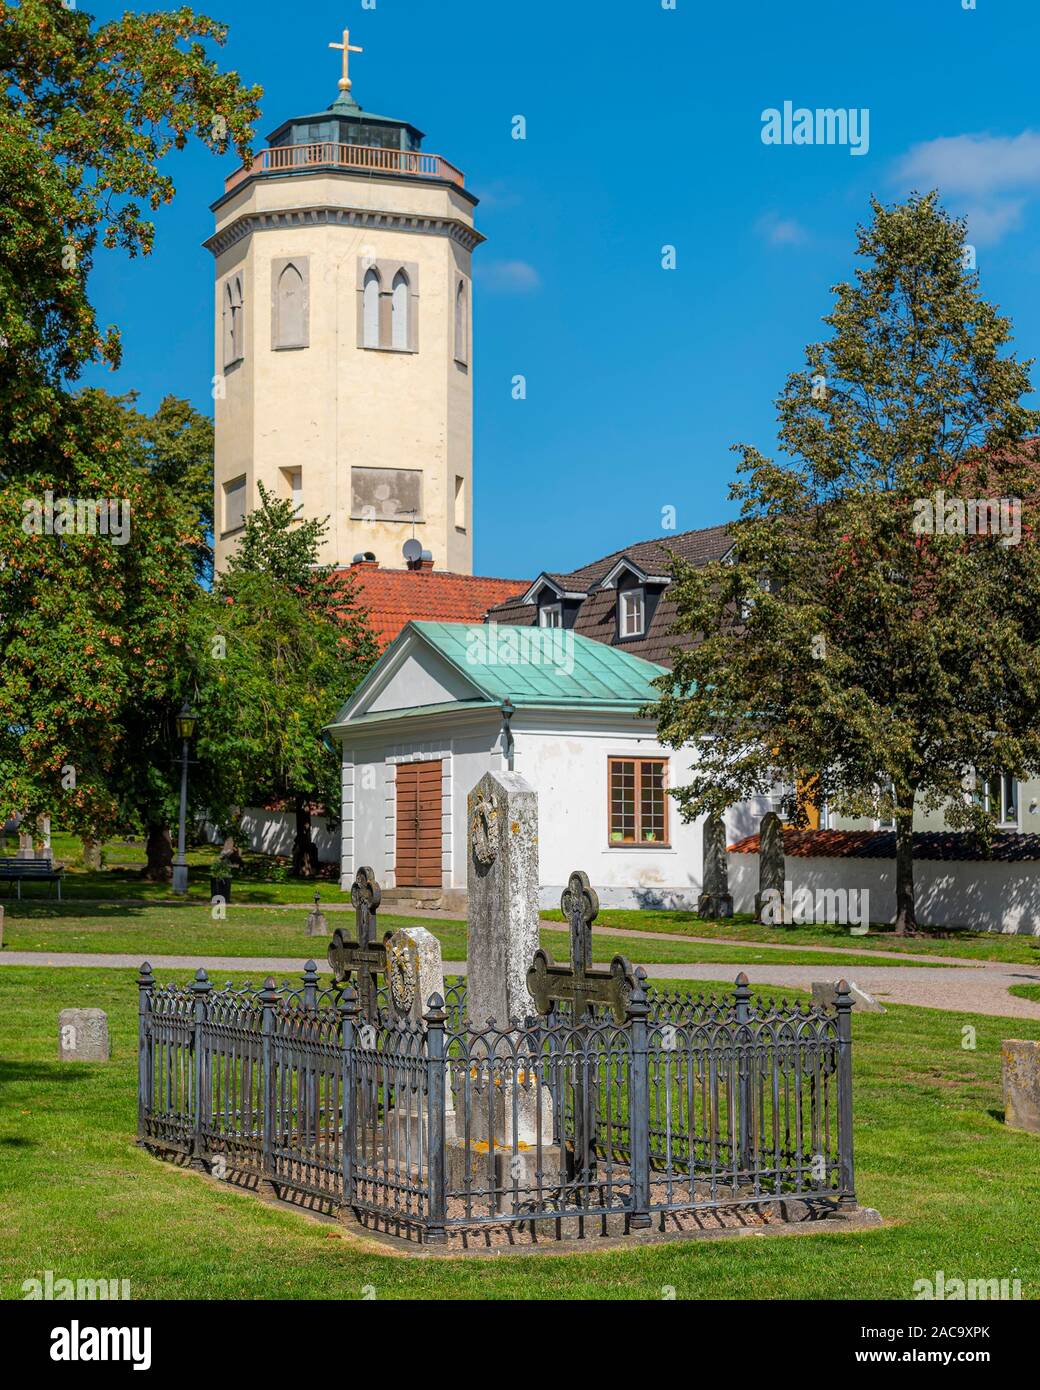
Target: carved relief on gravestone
x,y
483,829
402,972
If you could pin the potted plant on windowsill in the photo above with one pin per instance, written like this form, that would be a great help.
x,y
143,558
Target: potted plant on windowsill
x,y
221,872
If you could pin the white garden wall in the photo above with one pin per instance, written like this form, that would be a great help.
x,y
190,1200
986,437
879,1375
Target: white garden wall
x,y
273,832
980,896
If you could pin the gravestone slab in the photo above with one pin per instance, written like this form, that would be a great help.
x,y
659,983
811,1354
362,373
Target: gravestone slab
x,y
715,899
414,971
771,870
1020,1073
824,991
83,1035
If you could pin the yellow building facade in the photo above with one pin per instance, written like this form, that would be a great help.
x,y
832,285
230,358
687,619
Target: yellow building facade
x,y
343,338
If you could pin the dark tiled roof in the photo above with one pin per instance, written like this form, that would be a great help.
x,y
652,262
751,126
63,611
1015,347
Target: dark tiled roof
x,y
396,597
1007,847
596,617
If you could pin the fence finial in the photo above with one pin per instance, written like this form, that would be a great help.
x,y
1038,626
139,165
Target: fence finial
x,y
201,983
145,978
434,1009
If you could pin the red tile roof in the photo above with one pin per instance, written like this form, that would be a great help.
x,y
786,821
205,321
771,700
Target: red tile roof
x,y
1007,846
395,597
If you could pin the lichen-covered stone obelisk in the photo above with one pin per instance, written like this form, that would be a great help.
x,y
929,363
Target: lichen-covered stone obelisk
x,y
502,880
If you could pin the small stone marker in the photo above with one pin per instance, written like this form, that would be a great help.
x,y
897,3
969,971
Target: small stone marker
x,y
1020,1073
316,923
83,1035
823,992
770,869
715,899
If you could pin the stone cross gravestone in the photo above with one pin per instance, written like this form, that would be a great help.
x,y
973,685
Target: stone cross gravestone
x,y
769,900
364,956
83,1035
581,983
715,899
583,986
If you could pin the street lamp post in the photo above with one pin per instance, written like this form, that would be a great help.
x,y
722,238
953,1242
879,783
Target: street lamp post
x,y
186,722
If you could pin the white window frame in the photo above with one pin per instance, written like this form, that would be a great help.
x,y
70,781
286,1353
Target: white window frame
x,y
1003,800
371,291
549,611
625,612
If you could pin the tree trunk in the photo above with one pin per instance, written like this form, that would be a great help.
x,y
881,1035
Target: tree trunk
x,y
305,851
159,849
91,854
906,914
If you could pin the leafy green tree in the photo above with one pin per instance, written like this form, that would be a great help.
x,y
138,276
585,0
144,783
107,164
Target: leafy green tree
x,y
86,115
282,642
857,649
93,633
95,600
175,445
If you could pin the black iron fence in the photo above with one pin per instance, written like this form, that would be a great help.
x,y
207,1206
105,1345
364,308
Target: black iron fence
x,y
690,1104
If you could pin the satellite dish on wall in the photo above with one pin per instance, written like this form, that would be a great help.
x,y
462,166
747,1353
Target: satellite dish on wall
x,y
412,550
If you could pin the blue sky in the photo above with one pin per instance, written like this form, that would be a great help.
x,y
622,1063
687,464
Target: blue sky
x,y
643,130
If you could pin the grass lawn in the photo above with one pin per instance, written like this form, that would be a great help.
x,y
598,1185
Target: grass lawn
x,y
1026,991
79,1198
264,879
190,930
1018,950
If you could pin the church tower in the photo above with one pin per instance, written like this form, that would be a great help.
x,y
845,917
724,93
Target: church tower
x,y
344,349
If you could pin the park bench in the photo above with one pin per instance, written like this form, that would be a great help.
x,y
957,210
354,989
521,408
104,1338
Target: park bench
x,y
37,870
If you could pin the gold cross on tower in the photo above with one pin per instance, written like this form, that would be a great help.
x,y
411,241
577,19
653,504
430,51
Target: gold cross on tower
x,y
347,48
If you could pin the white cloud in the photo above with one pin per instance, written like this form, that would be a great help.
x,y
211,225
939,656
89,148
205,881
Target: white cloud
x,y
976,176
979,165
510,277
781,231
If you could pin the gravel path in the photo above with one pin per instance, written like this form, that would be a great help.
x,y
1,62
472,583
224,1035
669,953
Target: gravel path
x,y
981,987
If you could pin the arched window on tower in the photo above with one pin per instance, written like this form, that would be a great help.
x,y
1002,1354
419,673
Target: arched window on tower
x,y
399,337
370,337
233,336
291,308
461,324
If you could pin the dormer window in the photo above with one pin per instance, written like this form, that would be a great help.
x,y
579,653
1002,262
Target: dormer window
x,y
631,613
550,615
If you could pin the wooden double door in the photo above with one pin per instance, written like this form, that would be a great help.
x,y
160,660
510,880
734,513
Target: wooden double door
x,y
418,825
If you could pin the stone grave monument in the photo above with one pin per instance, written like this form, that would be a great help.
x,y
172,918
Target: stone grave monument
x,y
770,871
502,882
715,899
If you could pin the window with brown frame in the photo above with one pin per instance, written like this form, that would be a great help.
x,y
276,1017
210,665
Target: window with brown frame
x,y
638,798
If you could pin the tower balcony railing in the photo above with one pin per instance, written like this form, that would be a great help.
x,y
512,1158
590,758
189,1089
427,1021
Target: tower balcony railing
x,y
331,155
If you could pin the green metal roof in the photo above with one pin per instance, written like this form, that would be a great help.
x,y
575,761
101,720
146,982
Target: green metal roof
x,y
527,665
